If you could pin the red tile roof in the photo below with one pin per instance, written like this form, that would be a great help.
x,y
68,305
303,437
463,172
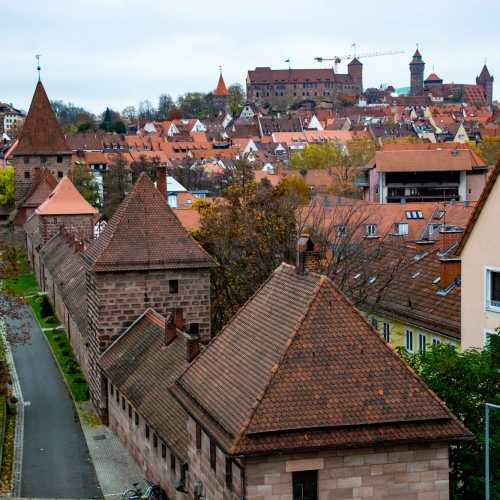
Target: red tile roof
x,y
221,90
41,133
65,200
298,367
144,233
268,75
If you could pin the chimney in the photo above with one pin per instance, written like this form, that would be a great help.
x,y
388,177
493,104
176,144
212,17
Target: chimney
x,y
161,180
449,235
170,329
449,271
307,257
192,342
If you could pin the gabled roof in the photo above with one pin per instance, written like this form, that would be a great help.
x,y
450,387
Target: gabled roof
x,y
433,78
492,179
44,185
221,90
41,133
65,200
144,233
142,367
298,367
355,62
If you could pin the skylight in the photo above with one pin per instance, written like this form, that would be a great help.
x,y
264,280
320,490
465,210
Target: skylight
x,y
420,256
372,280
416,275
435,281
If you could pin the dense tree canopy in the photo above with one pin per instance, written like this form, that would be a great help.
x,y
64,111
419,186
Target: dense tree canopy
x,y
84,181
7,189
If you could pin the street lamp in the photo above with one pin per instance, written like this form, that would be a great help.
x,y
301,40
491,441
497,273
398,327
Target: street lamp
x,y
487,407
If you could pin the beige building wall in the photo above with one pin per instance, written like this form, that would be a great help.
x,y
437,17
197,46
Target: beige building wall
x,y
482,251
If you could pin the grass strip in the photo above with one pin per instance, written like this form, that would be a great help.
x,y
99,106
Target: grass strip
x,y
8,450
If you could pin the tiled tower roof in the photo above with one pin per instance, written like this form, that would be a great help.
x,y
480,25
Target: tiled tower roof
x,y
221,90
144,233
41,133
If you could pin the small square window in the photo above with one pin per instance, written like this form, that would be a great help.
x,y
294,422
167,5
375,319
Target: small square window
x,y
123,403
305,485
173,286
493,290
60,174
59,159
163,451
147,431
43,159
155,441
111,390
26,159
422,343
370,230
136,418
27,175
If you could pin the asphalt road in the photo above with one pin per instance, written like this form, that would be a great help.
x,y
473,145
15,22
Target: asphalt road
x,y
56,461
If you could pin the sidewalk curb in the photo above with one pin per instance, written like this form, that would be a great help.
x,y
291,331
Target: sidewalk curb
x,y
19,431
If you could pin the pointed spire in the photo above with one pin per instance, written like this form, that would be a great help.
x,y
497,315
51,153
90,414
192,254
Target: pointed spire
x,y
143,234
485,74
221,90
41,133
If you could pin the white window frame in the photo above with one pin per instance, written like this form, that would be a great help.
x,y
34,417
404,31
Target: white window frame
x,y
400,225
436,341
408,331
422,346
387,331
487,287
370,230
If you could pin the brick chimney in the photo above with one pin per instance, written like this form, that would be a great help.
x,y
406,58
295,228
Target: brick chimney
x,y
170,328
192,347
307,256
161,180
448,236
450,270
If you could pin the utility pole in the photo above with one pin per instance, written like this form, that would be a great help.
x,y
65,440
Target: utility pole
x,y
487,407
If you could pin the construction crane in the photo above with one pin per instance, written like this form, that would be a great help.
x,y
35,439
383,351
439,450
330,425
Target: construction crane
x,y
338,59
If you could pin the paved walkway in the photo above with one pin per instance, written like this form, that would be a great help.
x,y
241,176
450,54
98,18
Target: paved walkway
x,y
56,460
115,468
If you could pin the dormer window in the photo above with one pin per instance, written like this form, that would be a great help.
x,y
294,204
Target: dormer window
x,y
370,230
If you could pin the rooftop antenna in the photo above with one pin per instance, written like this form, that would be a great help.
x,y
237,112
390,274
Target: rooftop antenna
x,y
38,68
289,62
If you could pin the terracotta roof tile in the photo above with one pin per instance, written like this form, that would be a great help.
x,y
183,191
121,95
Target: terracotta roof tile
x,y
221,89
65,200
144,233
41,134
298,367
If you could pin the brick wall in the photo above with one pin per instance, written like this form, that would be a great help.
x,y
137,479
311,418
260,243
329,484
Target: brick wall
x,y
82,225
23,185
413,472
115,300
156,467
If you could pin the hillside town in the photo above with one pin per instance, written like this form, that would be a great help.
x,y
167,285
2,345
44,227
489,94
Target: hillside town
x,y
282,291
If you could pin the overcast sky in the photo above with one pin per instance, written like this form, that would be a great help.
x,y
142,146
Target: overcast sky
x,y
98,53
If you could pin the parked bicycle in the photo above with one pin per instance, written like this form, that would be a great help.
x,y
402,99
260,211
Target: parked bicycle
x,y
153,492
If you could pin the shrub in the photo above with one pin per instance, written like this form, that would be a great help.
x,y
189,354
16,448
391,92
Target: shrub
x,y
71,367
65,352
79,380
45,307
51,319
13,400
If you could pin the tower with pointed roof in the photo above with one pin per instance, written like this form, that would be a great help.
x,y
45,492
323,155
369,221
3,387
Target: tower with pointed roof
x,y
485,80
41,145
417,68
143,258
221,96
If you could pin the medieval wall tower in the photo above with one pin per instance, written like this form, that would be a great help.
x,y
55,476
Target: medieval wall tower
x,y
486,81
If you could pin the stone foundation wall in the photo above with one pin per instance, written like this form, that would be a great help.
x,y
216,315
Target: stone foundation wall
x,y
413,472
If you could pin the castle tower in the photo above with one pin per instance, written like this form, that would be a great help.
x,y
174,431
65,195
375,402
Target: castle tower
x,y
221,96
486,81
41,145
355,71
143,258
417,67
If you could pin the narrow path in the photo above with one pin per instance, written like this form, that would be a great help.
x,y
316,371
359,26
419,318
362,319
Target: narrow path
x,y
56,461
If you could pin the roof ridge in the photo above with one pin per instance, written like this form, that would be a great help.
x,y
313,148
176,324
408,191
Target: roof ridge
x,y
275,369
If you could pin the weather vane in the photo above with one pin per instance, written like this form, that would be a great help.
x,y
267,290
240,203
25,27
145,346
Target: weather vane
x,y
220,68
38,68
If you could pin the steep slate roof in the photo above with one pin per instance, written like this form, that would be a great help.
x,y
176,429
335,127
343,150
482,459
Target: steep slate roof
x,y
268,75
144,233
44,185
298,368
221,90
41,133
142,367
65,199
485,74
479,207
